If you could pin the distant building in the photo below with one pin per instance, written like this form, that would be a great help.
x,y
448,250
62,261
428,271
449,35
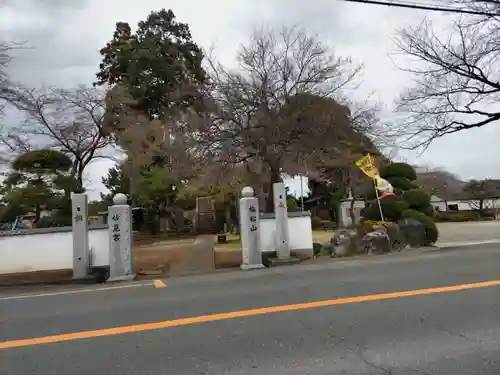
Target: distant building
x,y
441,204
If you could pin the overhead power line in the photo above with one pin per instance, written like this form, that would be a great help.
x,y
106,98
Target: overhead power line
x,y
425,7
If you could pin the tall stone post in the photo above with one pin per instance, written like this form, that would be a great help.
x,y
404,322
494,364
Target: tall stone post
x,y
120,239
249,225
281,220
80,224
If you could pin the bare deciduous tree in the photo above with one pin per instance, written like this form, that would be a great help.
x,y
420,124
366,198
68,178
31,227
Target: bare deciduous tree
x,y
4,61
68,120
479,192
5,49
456,77
281,109
439,182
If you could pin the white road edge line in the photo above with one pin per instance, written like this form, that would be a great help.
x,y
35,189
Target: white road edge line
x,y
88,290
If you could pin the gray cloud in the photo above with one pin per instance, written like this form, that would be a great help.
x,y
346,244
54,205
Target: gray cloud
x,y
45,28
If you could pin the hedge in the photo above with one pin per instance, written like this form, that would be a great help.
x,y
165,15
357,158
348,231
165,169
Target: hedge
x,y
457,216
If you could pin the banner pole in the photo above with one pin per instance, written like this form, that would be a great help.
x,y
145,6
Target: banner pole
x,y
376,190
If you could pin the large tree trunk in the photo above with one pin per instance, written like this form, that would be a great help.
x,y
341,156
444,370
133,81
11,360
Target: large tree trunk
x,y
275,176
79,179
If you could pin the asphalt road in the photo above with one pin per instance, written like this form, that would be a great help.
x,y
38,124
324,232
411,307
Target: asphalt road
x,y
169,330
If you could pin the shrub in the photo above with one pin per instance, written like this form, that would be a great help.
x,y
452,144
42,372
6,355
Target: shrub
x,y
315,222
431,230
54,220
457,216
398,170
392,208
317,248
487,214
417,198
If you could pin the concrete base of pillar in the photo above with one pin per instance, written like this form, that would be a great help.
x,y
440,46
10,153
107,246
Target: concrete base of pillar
x,y
248,267
284,262
121,278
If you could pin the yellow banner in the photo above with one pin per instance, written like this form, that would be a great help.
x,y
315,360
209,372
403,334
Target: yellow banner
x,y
367,166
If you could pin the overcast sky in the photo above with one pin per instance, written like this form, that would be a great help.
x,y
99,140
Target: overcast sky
x,y
65,36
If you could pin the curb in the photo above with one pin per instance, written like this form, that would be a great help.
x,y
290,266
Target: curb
x,y
29,283
447,245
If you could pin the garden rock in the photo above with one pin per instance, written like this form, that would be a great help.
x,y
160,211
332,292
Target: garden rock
x,y
398,241
345,242
377,242
413,232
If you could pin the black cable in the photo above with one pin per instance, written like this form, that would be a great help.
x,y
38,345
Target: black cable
x,y
424,7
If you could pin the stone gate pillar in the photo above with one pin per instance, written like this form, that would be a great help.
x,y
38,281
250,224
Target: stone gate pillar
x,y
281,220
120,239
249,229
80,225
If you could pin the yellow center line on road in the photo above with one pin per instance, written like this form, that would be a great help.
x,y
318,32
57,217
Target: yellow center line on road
x,y
236,314
77,291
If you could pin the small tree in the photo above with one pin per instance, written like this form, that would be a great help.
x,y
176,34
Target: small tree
x,y
35,180
116,181
69,121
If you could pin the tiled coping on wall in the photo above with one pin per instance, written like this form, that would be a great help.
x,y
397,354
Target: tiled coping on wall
x,y
24,232
290,214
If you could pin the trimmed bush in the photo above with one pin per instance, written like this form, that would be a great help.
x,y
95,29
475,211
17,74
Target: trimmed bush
x,y
457,216
428,210
398,170
315,222
401,183
431,230
409,200
392,208
417,198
